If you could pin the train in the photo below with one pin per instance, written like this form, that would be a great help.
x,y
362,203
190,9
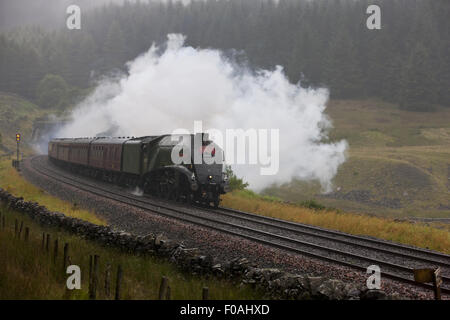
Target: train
x,y
146,162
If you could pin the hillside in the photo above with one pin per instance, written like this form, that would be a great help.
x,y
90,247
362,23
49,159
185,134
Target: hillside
x,y
20,115
16,115
398,162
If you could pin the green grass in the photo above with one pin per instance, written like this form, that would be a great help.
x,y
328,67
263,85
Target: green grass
x,y
432,236
14,183
312,204
27,271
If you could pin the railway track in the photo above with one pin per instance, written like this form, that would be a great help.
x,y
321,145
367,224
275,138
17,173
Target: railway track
x,y
395,260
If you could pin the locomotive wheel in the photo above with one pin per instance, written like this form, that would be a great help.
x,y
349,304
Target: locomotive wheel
x,y
171,193
164,191
165,186
148,186
186,196
175,194
189,198
216,201
158,191
168,185
185,192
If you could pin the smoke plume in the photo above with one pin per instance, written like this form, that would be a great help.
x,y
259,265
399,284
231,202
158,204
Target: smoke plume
x,y
170,87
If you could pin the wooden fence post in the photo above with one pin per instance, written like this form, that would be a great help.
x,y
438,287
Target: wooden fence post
x,y
205,293
66,255
27,233
55,251
94,282
163,288
20,229
118,282
108,280
47,245
168,293
43,240
437,282
96,274
427,275
90,270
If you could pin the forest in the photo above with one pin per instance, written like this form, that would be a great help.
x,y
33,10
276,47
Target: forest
x,y
320,43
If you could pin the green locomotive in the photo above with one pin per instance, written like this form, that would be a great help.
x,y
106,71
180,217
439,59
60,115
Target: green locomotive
x,y
147,163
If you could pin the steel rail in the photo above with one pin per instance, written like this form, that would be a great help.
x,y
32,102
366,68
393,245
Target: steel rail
x,y
342,234
296,228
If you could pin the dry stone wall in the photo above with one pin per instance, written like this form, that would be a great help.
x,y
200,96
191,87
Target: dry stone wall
x,y
275,283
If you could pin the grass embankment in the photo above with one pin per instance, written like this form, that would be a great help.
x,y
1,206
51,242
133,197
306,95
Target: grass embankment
x,y
27,271
14,183
416,234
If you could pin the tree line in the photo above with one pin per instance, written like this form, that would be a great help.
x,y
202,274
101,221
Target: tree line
x,y
319,43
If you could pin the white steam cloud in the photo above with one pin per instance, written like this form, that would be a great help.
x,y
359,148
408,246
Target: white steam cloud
x,y
171,88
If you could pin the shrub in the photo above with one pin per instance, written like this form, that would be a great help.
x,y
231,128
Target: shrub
x,y
235,183
312,204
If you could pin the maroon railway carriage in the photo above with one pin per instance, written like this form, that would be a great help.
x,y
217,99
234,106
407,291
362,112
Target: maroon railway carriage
x,y
79,151
70,150
106,156
93,152
94,156
63,151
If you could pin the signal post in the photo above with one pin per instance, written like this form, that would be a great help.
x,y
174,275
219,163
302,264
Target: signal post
x,y
16,163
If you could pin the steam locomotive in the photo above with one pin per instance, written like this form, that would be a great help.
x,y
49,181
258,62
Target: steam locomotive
x,y
147,163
